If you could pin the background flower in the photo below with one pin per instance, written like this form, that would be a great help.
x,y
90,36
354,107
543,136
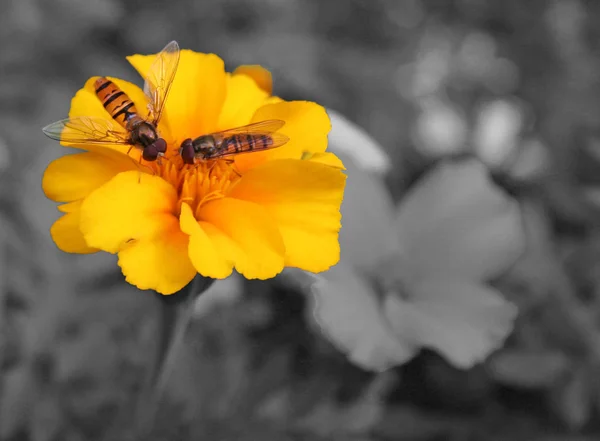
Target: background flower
x,y
451,233
346,137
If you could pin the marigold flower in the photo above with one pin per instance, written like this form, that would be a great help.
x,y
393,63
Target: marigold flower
x,y
168,221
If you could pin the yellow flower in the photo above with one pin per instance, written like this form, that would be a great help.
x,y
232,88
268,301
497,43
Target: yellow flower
x,y
168,221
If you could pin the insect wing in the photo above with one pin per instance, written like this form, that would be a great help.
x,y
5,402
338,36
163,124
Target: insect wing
x,y
159,79
251,138
260,128
86,130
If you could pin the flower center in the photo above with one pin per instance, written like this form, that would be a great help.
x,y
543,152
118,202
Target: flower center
x,y
199,183
392,276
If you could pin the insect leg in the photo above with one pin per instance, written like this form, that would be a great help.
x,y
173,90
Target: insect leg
x,y
231,163
211,167
166,158
140,171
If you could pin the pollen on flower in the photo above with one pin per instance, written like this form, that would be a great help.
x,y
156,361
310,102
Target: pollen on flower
x,y
199,183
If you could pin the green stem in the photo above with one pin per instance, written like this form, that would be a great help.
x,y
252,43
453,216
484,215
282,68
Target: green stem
x,y
176,312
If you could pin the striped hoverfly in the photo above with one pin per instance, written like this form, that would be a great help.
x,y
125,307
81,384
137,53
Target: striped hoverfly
x,y
224,144
141,133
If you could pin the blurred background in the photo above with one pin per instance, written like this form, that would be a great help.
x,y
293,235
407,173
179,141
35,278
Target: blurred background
x,y
515,85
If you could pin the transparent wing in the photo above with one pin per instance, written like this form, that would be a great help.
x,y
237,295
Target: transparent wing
x,y
260,128
159,79
86,129
248,139
258,143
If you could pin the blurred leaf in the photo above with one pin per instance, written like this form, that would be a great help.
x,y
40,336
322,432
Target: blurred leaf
x,y
532,161
273,375
592,194
276,407
432,382
573,399
16,402
228,385
567,202
530,370
47,418
410,423
328,419
536,267
221,292
312,385
4,156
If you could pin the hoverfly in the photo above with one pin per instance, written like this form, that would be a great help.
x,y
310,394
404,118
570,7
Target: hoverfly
x,y
141,133
246,139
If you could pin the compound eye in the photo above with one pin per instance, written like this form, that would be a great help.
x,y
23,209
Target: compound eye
x,y
161,145
187,151
150,153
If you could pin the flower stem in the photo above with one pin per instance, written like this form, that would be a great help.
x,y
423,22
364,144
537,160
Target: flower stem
x,y
176,312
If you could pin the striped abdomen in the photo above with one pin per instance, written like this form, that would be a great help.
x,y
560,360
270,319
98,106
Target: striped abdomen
x,y
244,143
116,102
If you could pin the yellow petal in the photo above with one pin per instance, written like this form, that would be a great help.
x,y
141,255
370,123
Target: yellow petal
x,y
87,103
273,100
66,233
130,206
304,199
254,244
324,158
70,207
243,98
135,215
206,255
73,177
259,74
160,263
197,93
306,124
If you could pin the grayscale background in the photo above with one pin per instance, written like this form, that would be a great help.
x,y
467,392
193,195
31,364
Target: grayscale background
x,y
75,338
